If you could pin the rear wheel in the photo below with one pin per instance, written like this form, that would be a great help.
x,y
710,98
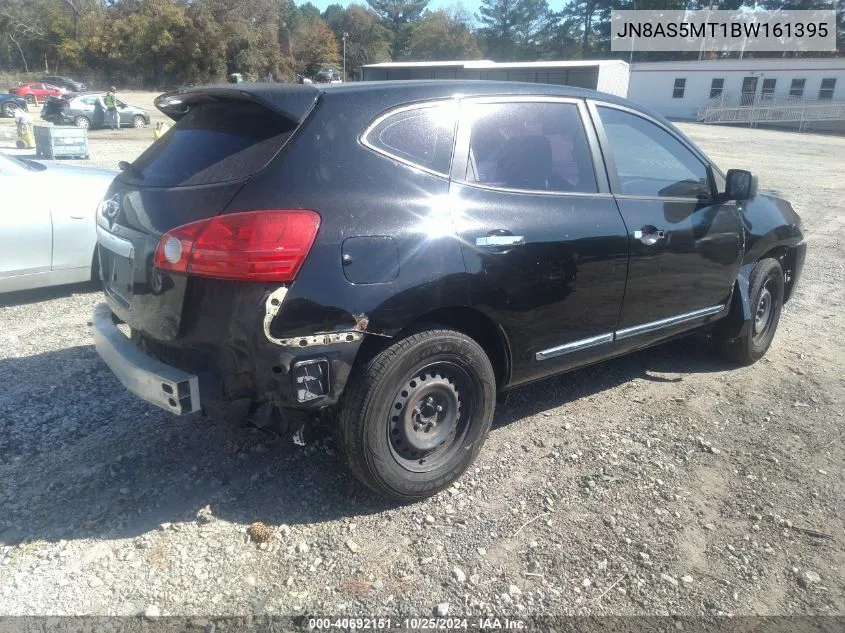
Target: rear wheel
x,y
138,121
82,121
766,298
415,416
9,108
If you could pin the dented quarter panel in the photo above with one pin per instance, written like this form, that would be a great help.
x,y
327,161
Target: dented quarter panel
x,y
322,313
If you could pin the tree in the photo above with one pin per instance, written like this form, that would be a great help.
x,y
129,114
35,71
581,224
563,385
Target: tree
x,y
443,35
249,31
368,40
400,16
333,16
314,44
21,23
510,28
309,12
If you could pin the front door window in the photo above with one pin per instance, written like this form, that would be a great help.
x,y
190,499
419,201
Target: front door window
x,y
685,246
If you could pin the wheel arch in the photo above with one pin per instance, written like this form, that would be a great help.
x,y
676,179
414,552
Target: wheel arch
x,y
467,320
739,316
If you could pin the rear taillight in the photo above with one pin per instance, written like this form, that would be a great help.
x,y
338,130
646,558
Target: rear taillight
x,y
250,246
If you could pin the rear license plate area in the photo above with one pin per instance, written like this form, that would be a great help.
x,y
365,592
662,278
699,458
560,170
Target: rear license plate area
x,y
117,276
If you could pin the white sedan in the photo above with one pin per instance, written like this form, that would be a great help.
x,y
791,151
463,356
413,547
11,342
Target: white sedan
x,y
47,223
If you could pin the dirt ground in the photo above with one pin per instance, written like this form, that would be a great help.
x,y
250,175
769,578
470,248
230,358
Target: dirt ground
x,y
663,482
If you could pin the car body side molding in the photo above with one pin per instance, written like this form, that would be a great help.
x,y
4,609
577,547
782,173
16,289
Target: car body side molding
x,y
653,326
645,328
574,346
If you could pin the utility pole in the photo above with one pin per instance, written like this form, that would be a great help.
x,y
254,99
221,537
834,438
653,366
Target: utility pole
x,y
345,35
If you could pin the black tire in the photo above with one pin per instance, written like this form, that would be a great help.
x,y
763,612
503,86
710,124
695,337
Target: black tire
x,y
415,416
82,122
9,108
138,122
765,292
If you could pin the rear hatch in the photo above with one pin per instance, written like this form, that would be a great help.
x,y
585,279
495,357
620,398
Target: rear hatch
x,y
221,138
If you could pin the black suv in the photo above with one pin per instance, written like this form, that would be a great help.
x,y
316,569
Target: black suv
x,y
394,255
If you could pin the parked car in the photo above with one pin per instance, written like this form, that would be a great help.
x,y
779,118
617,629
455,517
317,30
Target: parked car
x,y
396,256
47,237
31,91
328,75
82,110
9,104
65,82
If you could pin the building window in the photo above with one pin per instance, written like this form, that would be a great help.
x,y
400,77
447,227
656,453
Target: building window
x,y
826,91
678,89
716,87
769,87
797,88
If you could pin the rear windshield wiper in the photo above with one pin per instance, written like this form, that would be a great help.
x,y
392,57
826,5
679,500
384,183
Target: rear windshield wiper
x,y
130,169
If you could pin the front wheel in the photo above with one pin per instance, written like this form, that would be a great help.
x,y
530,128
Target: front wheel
x,y
138,122
82,121
415,416
765,294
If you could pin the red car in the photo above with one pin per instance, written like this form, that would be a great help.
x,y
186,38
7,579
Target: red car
x,y
33,91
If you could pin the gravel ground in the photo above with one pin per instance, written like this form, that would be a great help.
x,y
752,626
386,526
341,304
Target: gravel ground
x,y
663,482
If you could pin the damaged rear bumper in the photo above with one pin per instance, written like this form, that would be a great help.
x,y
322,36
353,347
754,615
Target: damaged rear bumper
x,y
171,389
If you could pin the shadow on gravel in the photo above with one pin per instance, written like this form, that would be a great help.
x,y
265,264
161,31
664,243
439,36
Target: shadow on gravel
x,y
688,355
24,297
80,457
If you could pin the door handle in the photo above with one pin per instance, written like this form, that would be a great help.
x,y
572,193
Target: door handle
x,y
500,240
649,235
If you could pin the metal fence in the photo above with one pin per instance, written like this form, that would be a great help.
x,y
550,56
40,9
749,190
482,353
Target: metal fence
x,y
752,109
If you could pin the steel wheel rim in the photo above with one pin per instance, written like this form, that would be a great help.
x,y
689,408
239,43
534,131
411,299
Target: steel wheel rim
x,y
138,123
764,314
429,416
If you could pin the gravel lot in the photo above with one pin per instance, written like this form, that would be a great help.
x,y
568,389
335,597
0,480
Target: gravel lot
x,y
664,482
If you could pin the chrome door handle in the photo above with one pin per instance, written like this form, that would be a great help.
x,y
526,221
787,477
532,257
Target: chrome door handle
x,y
649,235
500,240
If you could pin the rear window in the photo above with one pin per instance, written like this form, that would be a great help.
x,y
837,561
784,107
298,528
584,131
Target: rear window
x,y
422,136
213,143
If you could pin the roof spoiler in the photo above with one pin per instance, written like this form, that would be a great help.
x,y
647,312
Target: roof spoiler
x,y
294,101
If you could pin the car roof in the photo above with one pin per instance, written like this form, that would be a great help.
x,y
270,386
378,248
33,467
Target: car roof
x,y
295,100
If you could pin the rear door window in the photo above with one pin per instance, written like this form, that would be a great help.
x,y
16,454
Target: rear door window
x,y
423,136
213,143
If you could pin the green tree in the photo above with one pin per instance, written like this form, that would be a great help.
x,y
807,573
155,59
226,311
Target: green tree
x,y
249,29
442,35
511,29
333,16
367,41
309,12
400,16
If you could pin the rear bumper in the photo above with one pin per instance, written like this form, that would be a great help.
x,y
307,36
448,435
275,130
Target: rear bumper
x,y
171,389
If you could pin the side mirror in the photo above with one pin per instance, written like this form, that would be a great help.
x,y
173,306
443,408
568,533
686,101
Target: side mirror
x,y
740,185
